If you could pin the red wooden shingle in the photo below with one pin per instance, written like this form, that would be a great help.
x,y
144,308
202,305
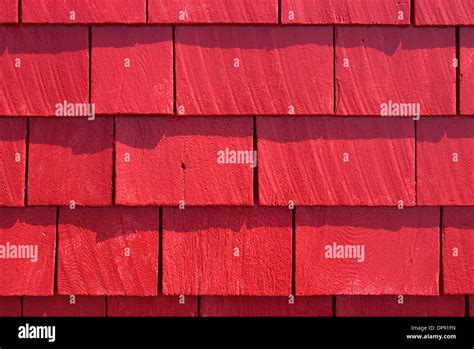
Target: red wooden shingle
x,y
27,251
213,11
12,161
63,306
84,11
373,251
41,68
108,251
336,161
443,12
398,306
161,161
458,250
10,306
70,162
227,251
467,70
161,306
132,70
254,70
345,12
445,161
266,306
8,11
386,68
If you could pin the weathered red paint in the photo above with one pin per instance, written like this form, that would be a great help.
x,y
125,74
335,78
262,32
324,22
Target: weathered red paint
x,y
336,161
266,306
160,306
441,12
70,162
227,251
213,11
108,251
375,67
400,305
384,251
12,161
41,68
458,250
132,70
175,161
84,11
27,251
394,12
444,161
254,70
64,306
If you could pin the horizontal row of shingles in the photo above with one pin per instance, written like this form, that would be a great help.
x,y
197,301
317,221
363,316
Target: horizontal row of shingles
x,y
392,12
187,306
205,161
259,70
236,251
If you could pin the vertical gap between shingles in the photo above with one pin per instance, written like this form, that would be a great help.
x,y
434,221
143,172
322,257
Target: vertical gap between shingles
x,y
334,68
160,251
106,306
334,306
466,303
21,306
175,107
415,161
412,12
27,150
458,71
20,11
441,250
199,306
256,160
56,256
114,160
147,13
293,251
279,12
90,64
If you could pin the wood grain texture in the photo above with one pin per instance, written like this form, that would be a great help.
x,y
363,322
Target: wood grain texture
x,y
390,306
31,233
445,161
70,159
42,66
86,11
176,159
304,159
8,11
213,11
248,70
458,250
132,70
401,251
64,306
161,306
227,251
466,43
345,12
108,251
12,161
266,306
10,306
441,12
375,65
